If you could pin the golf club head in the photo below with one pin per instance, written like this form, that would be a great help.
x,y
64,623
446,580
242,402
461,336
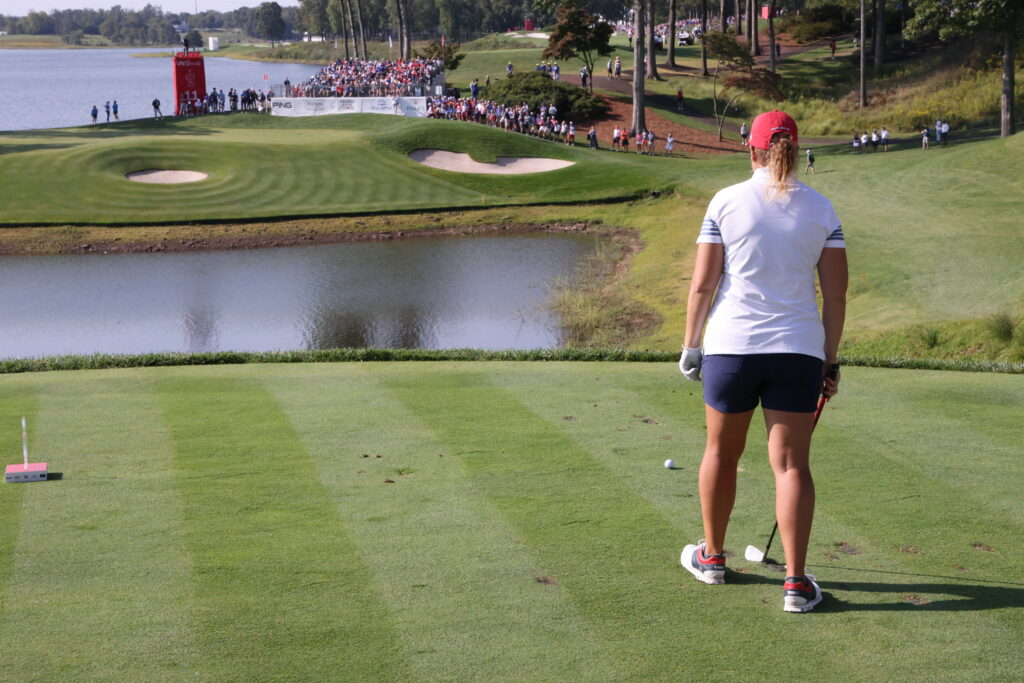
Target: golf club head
x,y
752,554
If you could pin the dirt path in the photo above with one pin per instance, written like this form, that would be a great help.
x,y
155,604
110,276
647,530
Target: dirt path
x,y
702,142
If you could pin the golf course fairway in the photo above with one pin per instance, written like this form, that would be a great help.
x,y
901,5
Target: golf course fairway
x,y
493,521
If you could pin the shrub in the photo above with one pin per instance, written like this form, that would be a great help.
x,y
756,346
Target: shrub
x,y
1001,326
535,88
930,337
808,31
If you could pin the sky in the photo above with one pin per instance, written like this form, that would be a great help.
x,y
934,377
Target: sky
x,y
20,8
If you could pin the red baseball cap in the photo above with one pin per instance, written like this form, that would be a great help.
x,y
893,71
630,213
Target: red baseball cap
x,y
769,123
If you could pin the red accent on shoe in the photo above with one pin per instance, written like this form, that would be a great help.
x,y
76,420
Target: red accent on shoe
x,y
801,586
709,559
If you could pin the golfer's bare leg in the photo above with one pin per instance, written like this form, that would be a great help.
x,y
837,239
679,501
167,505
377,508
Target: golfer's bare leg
x,y
727,436
789,445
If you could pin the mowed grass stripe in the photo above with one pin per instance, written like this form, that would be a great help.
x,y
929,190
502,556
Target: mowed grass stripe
x,y
600,540
460,585
100,576
913,536
278,589
631,417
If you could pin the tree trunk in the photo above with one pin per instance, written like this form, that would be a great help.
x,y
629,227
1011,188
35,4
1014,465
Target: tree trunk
x,y
1007,122
748,8
401,28
344,30
362,33
351,28
755,42
652,54
863,55
721,9
879,33
703,31
639,123
739,16
771,31
671,59
404,40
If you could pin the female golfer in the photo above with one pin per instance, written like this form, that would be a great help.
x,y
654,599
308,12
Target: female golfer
x,y
759,247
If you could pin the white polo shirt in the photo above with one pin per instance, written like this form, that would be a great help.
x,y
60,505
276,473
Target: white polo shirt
x,y
766,298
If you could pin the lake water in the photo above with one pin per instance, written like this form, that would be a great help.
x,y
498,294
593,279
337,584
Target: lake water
x,y
57,88
467,292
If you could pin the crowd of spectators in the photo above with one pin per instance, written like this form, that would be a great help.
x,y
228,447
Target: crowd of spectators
x,y
216,102
369,78
543,123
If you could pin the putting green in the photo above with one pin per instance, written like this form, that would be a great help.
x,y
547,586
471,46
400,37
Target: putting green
x,y
492,521
263,167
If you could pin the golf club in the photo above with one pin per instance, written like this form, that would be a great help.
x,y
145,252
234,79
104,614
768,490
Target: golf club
x,y
752,554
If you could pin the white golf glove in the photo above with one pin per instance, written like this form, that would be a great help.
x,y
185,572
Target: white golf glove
x,y
690,362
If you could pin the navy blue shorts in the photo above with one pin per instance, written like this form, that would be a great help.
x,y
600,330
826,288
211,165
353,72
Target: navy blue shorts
x,y
779,381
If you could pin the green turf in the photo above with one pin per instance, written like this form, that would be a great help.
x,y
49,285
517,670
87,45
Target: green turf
x,y
261,166
235,523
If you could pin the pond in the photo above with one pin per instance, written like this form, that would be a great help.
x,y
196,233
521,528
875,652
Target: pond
x,y
55,88
436,293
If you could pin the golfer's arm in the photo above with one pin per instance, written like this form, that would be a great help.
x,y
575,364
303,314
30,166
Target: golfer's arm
x,y
833,277
707,272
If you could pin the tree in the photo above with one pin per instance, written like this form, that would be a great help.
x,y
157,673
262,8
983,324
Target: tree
x,y
755,41
879,33
447,53
971,18
579,34
195,39
703,32
863,56
362,32
771,31
314,18
740,73
336,15
269,23
639,118
652,62
671,59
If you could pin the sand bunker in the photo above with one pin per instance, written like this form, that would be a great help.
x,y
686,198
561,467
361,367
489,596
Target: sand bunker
x,y
462,163
165,177
530,35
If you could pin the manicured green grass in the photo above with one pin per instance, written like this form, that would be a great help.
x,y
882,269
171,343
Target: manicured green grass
x,y
265,166
236,523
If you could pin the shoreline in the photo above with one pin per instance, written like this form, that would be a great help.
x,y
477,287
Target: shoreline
x,y
72,239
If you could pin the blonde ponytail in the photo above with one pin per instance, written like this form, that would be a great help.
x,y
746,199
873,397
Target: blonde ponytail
x,y
780,159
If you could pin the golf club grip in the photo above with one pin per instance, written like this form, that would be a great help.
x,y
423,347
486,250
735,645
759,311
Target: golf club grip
x,y
833,372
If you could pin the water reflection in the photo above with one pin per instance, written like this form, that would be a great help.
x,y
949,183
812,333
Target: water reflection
x,y
480,292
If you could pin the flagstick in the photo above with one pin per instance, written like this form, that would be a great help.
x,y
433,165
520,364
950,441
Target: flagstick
x,y
24,440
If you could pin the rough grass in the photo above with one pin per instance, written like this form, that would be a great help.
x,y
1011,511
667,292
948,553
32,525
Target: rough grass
x,y
491,521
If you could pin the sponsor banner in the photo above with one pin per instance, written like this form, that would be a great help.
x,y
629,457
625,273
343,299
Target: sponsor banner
x,y
318,106
189,80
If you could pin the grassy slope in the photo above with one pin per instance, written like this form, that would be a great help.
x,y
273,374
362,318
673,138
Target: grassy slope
x,y
233,523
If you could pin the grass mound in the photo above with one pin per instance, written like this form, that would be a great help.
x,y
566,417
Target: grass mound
x,y
492,521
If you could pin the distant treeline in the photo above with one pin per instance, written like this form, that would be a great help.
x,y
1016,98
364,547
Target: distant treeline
x,y
373,20
148,26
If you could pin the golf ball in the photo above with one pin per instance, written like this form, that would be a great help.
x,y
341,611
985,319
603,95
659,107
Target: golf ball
x,y
669,464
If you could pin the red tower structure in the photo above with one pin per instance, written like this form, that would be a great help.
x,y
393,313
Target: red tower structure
x,y
189,81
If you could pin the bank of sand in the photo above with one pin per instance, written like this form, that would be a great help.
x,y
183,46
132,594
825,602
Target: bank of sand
x,y
165,177
463,163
